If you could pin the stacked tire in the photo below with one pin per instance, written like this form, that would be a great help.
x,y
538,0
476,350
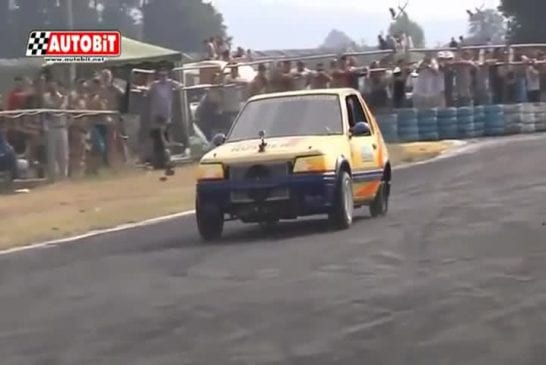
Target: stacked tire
x,y
427,121
388,123
479,121
528,117
408,129
540,117
494,121
465,122
513,118
447,123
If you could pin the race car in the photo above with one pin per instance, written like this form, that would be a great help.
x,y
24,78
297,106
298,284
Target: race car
x,y
294,154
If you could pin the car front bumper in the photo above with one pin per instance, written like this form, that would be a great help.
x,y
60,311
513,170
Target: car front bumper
x,y
286,197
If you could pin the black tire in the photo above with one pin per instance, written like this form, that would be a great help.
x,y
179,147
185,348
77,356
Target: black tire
x,y
380,205
210,221
341,216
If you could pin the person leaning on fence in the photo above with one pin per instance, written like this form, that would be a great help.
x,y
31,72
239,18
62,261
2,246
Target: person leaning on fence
x,y
114,100
34,126
400,78
260,82
464,67
56,130
96,156
320,78
533,82
425,92
78,130
301,76
161,93
233,92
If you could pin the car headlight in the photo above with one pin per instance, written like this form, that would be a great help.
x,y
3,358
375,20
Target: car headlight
x,y
210,171
310,164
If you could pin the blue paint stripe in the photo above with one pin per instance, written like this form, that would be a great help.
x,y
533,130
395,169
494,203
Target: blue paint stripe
x,y
370,175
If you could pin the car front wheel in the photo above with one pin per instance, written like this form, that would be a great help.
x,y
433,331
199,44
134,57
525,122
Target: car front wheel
x,y
210,221
342,212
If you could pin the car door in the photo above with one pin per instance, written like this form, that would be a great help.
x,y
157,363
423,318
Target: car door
x,y
365,166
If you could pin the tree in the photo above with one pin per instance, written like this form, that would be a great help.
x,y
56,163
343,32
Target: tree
x,y
181,25
338,40
487,25
403,24
525,20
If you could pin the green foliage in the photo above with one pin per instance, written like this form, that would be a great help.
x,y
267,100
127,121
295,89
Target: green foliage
x,y
487,25
177,24
404,24
526,20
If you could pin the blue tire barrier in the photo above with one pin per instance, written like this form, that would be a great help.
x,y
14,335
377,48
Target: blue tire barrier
x,y
406,122
388,123
465,111
427,113
430,136
528,120
493,109
448,128
540,117
494,132
408,134
428,129
513,118
479,109
407,113
447,113
465,126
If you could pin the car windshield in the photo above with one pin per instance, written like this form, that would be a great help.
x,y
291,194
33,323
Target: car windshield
x,y
304,115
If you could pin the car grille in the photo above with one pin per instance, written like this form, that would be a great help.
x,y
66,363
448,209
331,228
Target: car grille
x,y
257,172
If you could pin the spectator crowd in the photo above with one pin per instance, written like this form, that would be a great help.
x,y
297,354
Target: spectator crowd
x,y
74,146
59,145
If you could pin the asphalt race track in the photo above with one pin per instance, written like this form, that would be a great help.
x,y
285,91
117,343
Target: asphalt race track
x,y
455,275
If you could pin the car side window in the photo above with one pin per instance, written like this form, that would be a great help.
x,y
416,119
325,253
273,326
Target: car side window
x,y
356,113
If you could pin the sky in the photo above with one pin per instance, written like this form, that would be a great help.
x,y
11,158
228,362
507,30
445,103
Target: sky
x,y
284,24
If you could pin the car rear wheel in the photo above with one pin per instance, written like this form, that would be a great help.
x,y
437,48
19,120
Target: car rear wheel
x,y
342,213
380,204
210,221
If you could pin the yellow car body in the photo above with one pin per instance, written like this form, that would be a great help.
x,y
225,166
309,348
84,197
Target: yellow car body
x,y
266,178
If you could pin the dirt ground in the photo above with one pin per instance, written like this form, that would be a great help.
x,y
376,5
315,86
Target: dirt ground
x,y
76,207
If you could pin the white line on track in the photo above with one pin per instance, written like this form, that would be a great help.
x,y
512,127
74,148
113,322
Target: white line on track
x,y
123,227
461,147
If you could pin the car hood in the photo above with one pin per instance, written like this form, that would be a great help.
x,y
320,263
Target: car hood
x,y
277,149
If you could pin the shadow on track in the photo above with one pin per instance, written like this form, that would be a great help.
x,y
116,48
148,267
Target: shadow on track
x,y
253,233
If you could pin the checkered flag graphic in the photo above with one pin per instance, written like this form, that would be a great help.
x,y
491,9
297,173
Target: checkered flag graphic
x,y
37,43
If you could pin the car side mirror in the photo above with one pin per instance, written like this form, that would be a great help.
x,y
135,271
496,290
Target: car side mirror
x,y
361,129
218,139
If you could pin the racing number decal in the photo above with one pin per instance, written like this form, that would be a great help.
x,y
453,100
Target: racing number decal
x,y
366,153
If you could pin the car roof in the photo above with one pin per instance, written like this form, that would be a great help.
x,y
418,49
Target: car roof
x,y
340,92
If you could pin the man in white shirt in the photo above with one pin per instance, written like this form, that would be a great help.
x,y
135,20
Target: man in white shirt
x,y
533,83
161,94
425,90
57,132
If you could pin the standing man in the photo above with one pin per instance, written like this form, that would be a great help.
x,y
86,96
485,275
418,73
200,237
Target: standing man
x,y
463,79
320,78
234,89
57,132
260,83
114,97
161,93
